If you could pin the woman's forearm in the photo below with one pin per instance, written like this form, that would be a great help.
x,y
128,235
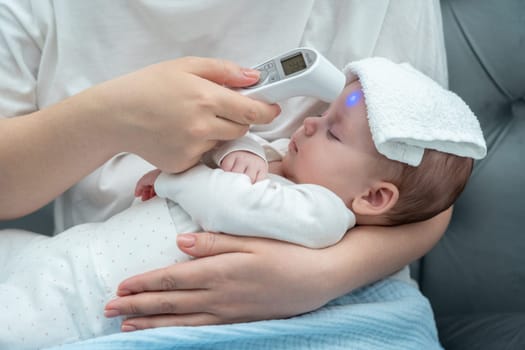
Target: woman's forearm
x,y
46,152
369,253
169,114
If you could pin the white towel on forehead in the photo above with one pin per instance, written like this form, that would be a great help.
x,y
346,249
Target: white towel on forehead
x,y
408,112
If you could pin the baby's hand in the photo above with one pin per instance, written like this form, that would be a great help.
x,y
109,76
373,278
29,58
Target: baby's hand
x,y
145,188
245,163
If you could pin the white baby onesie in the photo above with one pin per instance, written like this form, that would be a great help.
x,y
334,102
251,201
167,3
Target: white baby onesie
x,y
54,289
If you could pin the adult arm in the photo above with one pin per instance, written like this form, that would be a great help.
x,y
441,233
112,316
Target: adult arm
x,y
45,152
221,201
244,279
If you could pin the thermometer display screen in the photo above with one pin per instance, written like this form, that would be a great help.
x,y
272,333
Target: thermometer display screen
x,y
293,64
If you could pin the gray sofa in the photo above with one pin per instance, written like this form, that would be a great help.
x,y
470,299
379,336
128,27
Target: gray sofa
x,y
475,276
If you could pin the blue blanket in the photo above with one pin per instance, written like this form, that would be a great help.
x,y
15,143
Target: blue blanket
x,y
389,314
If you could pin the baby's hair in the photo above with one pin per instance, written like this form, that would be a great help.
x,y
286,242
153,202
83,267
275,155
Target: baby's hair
x,y
428,189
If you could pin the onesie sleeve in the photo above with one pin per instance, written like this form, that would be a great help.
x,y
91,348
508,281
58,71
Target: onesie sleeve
x,y
20,50
308,215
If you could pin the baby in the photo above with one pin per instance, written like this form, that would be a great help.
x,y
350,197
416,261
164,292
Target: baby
x,y
328,177
336,151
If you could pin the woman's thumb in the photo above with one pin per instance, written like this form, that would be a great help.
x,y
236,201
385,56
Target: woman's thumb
x,y
222,72
208,244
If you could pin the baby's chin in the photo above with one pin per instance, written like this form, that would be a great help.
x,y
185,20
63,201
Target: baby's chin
x,y
286,169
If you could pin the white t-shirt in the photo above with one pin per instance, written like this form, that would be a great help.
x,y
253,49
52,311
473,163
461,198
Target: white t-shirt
x,y
50,50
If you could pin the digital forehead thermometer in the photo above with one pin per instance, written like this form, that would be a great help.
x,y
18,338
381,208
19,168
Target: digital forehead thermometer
x,y
299,72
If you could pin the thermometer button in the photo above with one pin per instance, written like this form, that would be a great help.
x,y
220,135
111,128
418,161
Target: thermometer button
x,y
273,76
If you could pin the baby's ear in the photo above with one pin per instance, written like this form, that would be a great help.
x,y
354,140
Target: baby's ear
x,y
377,200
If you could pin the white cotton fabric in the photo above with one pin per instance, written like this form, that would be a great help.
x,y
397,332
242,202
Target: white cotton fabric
x,y
50,50
54,290
408,112
61,284
305,214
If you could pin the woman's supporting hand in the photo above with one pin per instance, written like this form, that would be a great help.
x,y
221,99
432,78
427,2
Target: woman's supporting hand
x,y
239,279
243,279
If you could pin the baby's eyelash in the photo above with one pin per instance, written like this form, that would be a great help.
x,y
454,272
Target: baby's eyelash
x,y
331,135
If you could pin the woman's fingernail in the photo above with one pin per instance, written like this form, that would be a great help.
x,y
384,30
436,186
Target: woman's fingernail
x,y
251,73
128,328
123,292
111,313
186,241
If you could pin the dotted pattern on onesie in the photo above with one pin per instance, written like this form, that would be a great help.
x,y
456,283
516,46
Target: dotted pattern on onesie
x,y
56,291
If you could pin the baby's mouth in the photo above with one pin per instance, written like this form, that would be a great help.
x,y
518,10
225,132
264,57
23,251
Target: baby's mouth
x,y
293,146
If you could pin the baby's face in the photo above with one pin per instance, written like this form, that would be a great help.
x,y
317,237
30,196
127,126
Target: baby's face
x,y
336,149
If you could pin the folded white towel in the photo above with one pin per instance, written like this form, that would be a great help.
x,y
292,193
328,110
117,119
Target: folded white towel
x,y
408,112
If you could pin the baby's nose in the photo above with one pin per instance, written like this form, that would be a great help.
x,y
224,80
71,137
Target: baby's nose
x,y
310,126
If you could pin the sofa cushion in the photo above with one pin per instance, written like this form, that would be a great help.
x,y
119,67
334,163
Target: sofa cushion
x,y
497,331
479,265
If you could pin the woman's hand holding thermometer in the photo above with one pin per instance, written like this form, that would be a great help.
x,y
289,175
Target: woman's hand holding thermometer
x,y
299,72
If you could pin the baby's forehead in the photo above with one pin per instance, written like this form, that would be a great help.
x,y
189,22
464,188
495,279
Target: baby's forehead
x,y
352,98
351,112
352,94
353,85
